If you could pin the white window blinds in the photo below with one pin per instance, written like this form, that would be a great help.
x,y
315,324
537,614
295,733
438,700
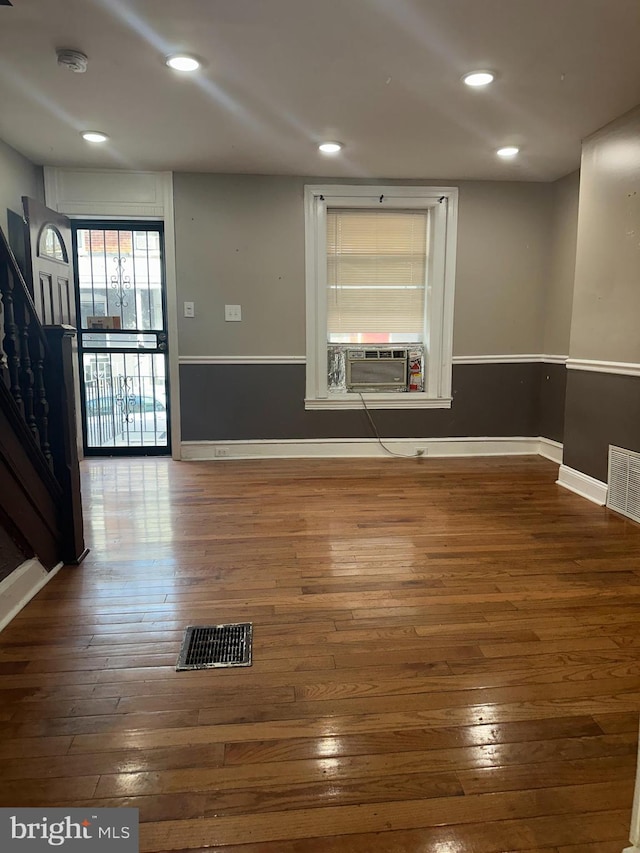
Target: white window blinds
x,y
376,273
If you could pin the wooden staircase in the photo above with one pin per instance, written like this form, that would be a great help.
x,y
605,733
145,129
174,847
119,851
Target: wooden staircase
x,y
40,501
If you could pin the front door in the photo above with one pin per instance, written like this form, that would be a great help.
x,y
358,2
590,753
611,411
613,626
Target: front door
x,y
50,272
122,328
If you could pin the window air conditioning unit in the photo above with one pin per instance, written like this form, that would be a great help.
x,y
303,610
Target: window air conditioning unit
x,y
377,370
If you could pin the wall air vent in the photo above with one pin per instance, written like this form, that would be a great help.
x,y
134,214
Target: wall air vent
x,y
623,494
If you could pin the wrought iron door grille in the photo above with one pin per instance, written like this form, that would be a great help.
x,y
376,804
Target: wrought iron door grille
x,y
123,340
214,646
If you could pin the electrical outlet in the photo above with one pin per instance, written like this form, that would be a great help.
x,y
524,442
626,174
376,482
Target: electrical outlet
x,y
221,452
233,313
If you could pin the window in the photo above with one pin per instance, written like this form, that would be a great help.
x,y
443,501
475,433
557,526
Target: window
x,y
380,270
376,275
147,241
51,244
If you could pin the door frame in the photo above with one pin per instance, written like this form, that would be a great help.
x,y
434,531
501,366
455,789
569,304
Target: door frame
x,y
124,194
77,223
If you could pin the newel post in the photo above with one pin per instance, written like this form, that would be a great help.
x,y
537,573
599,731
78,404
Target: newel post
x,y
62,438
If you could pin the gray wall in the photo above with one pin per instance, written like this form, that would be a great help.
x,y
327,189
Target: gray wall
x,y
504,232
551,401
18,177
240,240
562,265
604,408
606,303
601,409
227,402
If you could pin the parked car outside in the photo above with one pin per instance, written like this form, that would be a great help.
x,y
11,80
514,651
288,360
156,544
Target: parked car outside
x,y
141,418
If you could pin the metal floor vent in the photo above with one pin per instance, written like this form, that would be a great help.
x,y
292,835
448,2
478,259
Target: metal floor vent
x,y
623,493
213,646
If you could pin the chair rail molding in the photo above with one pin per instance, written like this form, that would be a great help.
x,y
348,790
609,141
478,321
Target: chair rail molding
x,y
243,359
512,358
623,368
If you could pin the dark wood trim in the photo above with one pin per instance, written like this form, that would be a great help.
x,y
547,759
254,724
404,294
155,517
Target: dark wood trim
x,y
10,532
30,497
60,381
40,496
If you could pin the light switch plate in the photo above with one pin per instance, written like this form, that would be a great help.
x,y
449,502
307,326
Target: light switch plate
x,y
189,309
233,313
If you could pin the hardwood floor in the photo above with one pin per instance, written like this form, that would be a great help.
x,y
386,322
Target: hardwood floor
x,y
446,658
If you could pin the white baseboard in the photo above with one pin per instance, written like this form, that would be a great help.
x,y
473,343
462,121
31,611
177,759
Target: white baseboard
x,y
583,485
20,586
631,850
550,449
367,447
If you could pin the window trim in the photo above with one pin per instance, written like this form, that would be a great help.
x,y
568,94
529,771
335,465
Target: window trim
x,y
439,296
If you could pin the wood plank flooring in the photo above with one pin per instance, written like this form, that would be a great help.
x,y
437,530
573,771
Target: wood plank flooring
x,y
446,658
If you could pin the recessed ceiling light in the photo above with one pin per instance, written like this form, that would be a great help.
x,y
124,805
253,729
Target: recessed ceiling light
x,y
182,62
478,78
507,151
330,147
94,136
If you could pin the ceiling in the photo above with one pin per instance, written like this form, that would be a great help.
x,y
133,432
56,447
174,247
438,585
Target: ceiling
x,y
381,76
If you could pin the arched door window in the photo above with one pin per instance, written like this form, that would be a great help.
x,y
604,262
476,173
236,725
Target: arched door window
x,y
51,245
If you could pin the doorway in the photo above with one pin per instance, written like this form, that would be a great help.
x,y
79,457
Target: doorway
x,y
122,337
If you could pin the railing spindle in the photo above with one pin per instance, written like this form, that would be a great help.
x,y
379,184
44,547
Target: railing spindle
x,y
25,318
37,369
11,338
4,360
41,404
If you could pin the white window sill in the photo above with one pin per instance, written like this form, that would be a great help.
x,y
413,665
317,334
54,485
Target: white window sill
x,y
416,400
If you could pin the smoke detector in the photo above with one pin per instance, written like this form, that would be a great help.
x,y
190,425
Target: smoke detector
x,y
74,60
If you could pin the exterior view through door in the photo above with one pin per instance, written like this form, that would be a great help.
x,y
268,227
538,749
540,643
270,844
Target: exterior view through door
x,y
121,309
